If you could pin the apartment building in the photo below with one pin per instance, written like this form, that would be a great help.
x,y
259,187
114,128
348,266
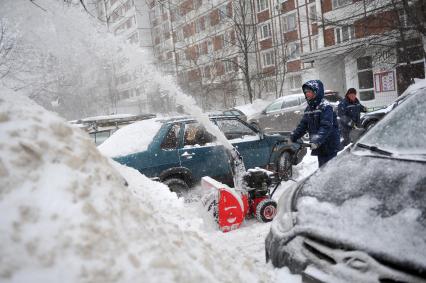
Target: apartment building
x,y
128,19
201,42
370,45
286,29
345,43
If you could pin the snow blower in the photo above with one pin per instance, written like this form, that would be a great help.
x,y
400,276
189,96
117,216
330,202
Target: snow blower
x,y
250,197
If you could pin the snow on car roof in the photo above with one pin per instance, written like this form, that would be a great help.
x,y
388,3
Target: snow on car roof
x,y
68,217
130,139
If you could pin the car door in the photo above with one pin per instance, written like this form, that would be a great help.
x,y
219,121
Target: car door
x,y
162,154
293,112
272,116
199,152
254,150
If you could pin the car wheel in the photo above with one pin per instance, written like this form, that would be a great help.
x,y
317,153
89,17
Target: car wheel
x,y
284,165
177,185
266,210
370,125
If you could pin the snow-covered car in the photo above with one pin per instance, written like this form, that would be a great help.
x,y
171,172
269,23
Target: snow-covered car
x,y
179,151
362,217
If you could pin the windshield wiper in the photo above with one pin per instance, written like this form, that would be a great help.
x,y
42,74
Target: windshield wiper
x,y
375,149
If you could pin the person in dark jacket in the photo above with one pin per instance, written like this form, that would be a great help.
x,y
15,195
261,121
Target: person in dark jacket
x,y
320,121
349,112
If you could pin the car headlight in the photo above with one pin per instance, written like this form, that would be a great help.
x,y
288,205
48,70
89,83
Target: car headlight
x,y
286,216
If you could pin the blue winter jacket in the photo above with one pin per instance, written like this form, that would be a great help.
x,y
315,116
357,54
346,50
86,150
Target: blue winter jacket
x,y
320,121
349,112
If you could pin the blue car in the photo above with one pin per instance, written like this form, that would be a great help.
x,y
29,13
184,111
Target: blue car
x,y
181,151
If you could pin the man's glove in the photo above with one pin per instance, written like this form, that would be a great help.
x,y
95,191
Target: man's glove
x,y
314,146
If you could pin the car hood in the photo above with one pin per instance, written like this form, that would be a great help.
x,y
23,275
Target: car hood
x,y
366,203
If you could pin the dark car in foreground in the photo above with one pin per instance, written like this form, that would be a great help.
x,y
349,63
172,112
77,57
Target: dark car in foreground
x,y
181,151
362,217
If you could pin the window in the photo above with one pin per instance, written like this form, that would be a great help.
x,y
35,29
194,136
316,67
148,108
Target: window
x,y
268,58
315,43
199,25
265,31
345,33
293,50
262,5
289,22
294,82
172,138
340,3
229,67
209,46
291,102
195,134
313,13
274,106
223,13
234,129
365,78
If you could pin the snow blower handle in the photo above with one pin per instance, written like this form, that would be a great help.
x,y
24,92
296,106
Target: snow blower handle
x,y
297,146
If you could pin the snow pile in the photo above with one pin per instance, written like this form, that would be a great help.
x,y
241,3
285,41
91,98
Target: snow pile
x,y
130,139
67,215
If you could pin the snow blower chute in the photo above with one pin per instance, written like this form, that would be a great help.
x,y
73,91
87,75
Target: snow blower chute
x,y
250,197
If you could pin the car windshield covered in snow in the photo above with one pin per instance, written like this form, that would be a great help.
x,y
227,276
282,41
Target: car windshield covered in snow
x,y
367,205
401,135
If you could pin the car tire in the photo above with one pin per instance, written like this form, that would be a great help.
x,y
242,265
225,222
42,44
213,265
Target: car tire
x,y
177,186
266,210
370,125
284,164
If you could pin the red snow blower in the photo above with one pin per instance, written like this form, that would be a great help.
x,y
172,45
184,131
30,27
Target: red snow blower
x,y
251,196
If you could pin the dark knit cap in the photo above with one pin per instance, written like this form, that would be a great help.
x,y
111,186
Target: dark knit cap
x,y
351,90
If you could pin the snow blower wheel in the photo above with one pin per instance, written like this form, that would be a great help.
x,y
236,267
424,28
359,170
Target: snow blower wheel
x,y
266,210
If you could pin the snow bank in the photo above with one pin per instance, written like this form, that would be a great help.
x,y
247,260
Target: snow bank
x,y
130,139
67,215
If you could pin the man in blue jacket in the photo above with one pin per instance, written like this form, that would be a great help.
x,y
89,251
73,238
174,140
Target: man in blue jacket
x,y
320,121
349,112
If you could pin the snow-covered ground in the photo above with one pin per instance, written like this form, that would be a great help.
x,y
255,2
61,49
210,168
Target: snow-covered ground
x,y
67,215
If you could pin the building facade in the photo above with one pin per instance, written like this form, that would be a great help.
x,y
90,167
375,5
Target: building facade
x,y
128,19
222,50
373,46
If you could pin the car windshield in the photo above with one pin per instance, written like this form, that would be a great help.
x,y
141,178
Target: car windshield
x,y
401,133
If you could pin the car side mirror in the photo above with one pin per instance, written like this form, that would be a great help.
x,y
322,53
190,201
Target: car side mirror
x,y
263,111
